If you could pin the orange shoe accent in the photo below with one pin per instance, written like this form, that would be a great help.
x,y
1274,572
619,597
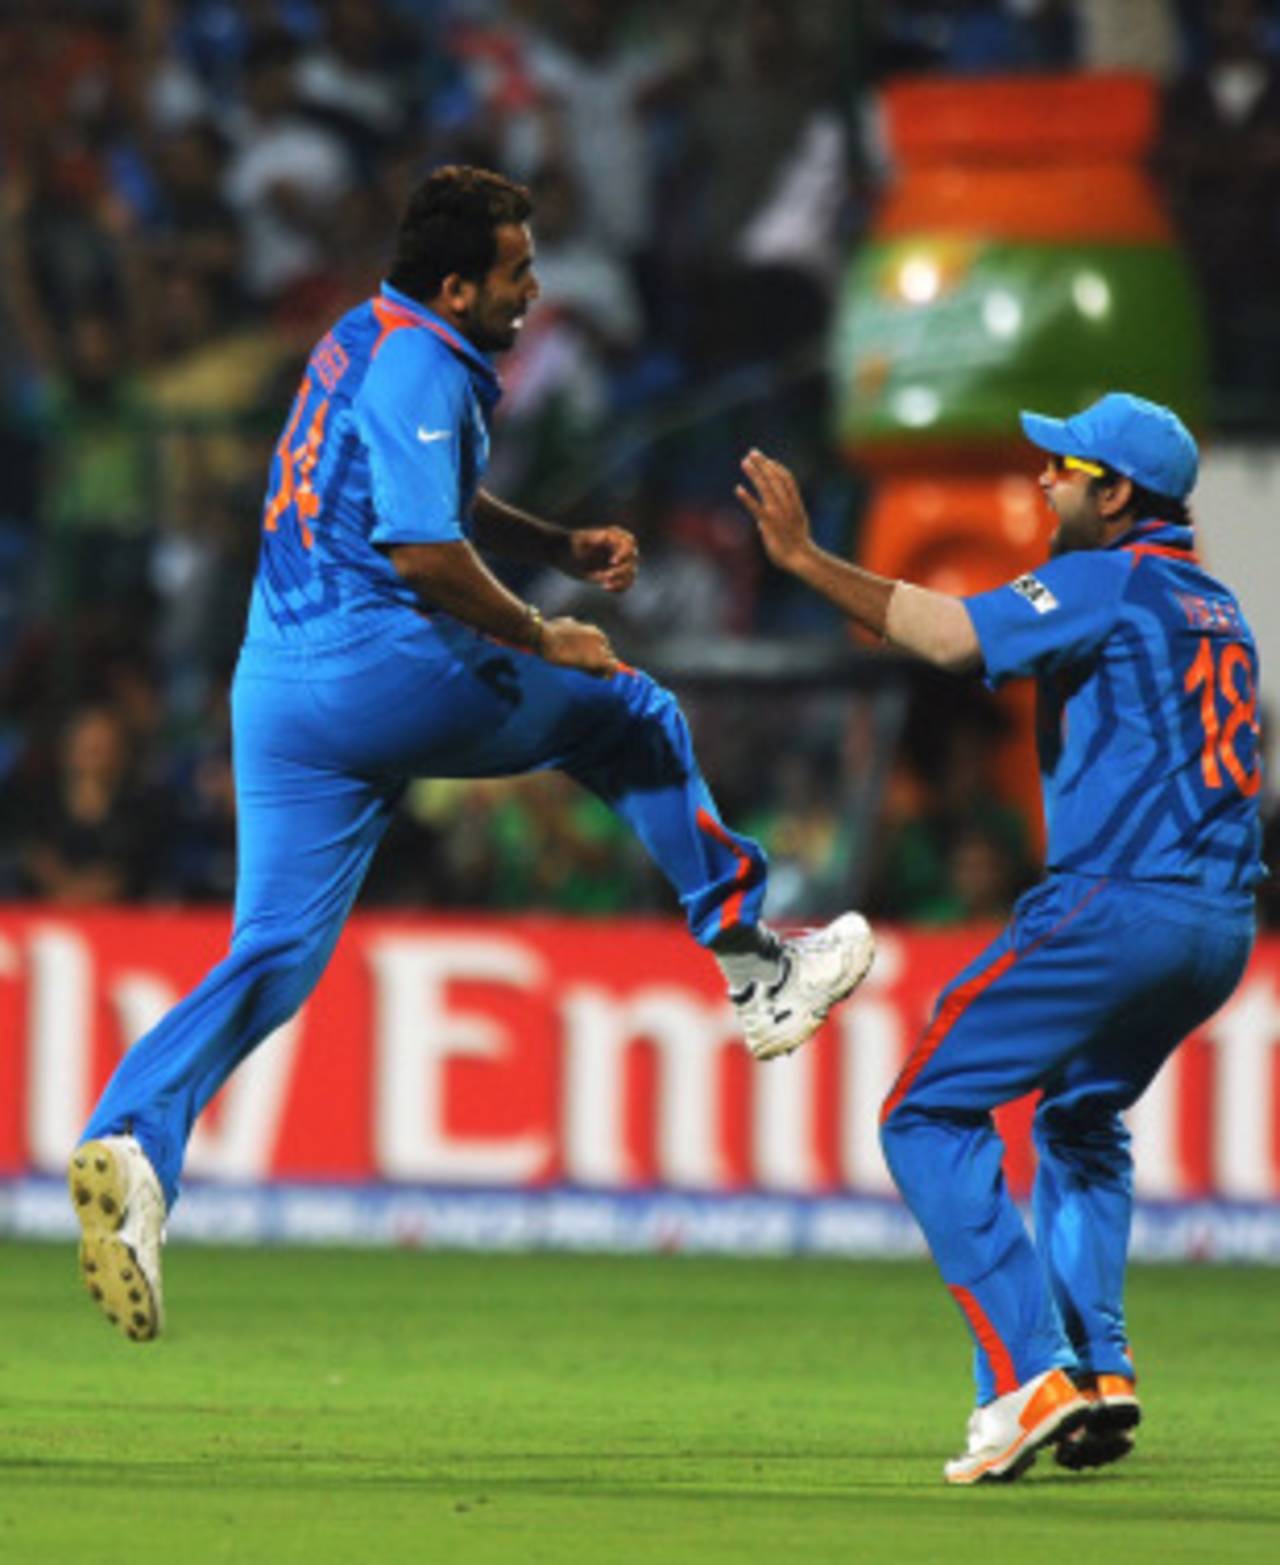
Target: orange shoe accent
x,y
1057,1389
1117,1408
1106,1436
1053,1411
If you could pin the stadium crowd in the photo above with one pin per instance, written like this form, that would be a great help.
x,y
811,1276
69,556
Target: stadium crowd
x,y
193,189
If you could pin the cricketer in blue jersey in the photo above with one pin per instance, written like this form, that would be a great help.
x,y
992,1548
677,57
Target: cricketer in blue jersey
x,y
380,647
1146,675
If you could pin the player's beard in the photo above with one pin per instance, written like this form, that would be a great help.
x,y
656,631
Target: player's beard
x,y
491,332
1070,537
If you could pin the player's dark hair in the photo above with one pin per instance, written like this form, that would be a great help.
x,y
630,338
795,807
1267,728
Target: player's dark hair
x,y
450,226
1146,505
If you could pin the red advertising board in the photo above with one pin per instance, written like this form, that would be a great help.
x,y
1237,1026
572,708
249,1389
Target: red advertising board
x,y
527,1054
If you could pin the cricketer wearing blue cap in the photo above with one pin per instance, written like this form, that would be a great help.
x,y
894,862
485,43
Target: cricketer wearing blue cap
x,y
380,647
1147,675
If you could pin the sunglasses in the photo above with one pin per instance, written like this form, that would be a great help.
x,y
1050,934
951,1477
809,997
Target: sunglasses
x,y
1077,464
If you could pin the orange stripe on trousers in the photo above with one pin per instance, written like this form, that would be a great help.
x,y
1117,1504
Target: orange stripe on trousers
x,y
959,1000
731,912
998,1356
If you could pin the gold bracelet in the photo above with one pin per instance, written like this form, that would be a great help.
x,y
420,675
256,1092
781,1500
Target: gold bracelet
x,y
537,627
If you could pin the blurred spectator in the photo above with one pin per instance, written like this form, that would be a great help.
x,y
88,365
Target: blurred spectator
x,y
124,681
69,158
96,498
357,76
208,449
580,279
203,574
554,400
599,83
557,379
557,846
59,252
485,107
952,850
188,184
700,568
213,39
1219,161
536,841
773,163
202,866
286,175
1141,35
806,835
193,226
201,862
975,37
91,835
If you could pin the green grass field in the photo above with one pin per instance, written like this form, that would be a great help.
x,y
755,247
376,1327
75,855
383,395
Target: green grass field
x,y
312,1406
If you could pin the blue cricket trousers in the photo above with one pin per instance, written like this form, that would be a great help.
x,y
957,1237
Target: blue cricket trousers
x,y
1084,995
323,750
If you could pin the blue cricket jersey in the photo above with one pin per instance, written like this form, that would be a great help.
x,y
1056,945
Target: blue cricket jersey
x,y
1147,678
386,443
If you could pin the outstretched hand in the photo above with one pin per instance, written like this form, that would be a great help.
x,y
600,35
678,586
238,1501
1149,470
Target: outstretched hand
x,y
775,504
607,556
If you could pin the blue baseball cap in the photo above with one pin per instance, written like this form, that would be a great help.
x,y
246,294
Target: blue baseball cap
x,y
1142,440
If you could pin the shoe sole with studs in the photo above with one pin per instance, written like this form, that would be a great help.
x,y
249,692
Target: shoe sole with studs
x,y
1104,1438
108,1264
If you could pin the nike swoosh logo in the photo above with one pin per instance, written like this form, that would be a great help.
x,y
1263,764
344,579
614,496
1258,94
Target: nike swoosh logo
x,y
426,436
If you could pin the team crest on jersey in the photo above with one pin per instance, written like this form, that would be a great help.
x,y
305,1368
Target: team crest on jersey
x,y
1035,592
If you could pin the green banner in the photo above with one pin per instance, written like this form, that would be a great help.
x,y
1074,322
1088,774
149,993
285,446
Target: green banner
x,y
941,339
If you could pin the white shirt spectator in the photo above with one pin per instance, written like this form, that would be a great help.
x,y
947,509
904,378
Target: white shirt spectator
x,y
282,178
580,277
606,141
326,81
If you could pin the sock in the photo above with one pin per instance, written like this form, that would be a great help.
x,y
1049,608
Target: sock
x,y
748,955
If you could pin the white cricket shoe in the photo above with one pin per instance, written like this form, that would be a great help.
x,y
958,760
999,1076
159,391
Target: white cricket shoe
x,y
819,969
1005,1435
118,1200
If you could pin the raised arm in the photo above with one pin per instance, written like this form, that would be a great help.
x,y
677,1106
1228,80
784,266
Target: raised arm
x,y
932,625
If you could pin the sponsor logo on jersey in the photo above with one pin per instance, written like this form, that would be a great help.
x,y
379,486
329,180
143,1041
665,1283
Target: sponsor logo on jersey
x,y
1035,592
426,436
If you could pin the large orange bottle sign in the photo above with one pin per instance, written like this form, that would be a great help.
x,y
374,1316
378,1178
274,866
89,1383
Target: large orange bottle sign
x,y
1019,260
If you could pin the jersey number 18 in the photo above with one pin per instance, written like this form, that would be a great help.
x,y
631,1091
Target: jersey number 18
x,y
1232,678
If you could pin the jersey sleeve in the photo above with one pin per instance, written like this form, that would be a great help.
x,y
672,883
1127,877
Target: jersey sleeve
x,y
1050,618
410,416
